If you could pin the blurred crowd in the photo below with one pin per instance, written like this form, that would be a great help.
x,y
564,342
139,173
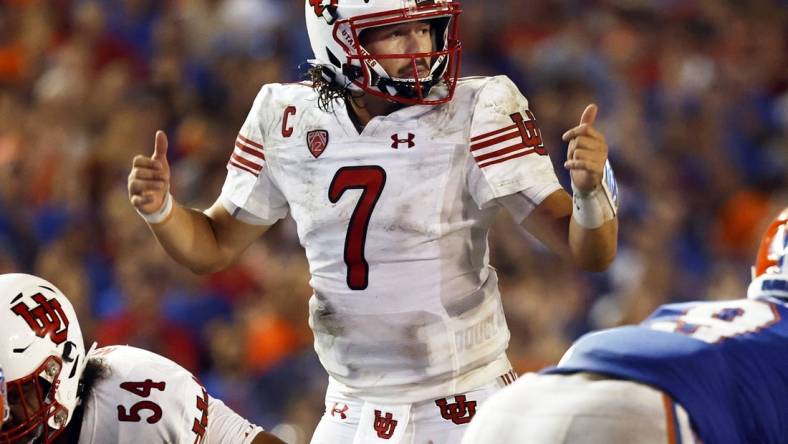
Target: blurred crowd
x,y
693,99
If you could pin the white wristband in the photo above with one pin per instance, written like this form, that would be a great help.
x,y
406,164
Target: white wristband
x,y
591,209
162,214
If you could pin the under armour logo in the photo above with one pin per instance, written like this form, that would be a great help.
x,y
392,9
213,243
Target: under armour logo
x,y
384,425
410,140
335,410
529,132
45,319
459,412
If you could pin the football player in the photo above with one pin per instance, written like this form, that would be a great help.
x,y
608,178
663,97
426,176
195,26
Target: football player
x,y
714,372
59,392
394,170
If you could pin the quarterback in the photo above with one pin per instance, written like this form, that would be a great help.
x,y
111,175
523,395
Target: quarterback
x,y
713,372
394,169
59,392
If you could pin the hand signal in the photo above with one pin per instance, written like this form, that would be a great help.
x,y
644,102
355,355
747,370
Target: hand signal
x,y
587,152
149,180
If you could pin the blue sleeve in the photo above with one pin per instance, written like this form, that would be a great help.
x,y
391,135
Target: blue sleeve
x,y
725,362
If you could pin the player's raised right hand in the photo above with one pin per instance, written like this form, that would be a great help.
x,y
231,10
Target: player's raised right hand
x,y
149,180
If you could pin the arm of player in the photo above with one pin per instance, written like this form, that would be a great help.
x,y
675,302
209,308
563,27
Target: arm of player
x,y
227,427
558,222
204,241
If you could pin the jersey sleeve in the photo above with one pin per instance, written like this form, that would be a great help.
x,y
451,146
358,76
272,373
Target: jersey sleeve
x,y
506,145
250,192
228,427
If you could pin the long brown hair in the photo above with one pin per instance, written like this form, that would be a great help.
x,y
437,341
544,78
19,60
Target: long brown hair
x,y
327,90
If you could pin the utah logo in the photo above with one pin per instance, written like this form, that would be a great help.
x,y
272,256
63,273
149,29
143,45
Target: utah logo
x,y
317,140
459,412
384,425
47,318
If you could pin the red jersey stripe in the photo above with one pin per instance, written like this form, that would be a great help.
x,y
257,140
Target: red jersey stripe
x,y
254,144
501,152
239,166
494,141
239,141
246,163
492,133
248,150
493,162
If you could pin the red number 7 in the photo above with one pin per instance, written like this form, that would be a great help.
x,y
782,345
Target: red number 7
x,y
370,179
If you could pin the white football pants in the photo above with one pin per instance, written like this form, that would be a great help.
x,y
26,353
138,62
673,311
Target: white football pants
x,y
350,420
579,408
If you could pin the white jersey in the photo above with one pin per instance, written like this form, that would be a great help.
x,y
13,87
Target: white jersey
x,y
146,398
394,222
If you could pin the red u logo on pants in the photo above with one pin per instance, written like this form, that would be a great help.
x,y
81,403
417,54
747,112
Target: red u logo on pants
x,y
458,412
384,425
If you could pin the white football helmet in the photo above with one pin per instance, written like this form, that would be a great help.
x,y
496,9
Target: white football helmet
x,y
43,357
770,272
334,27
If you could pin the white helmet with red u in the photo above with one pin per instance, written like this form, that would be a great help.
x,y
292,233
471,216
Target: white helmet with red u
x,y
42,355
770,272
334,28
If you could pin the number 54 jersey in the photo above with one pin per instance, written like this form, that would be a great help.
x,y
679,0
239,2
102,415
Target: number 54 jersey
x,y
141,397
394,221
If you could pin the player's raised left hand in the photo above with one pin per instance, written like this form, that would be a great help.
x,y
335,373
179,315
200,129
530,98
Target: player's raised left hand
x,y
587,152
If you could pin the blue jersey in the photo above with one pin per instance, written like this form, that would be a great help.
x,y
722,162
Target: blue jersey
x,y
725,362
